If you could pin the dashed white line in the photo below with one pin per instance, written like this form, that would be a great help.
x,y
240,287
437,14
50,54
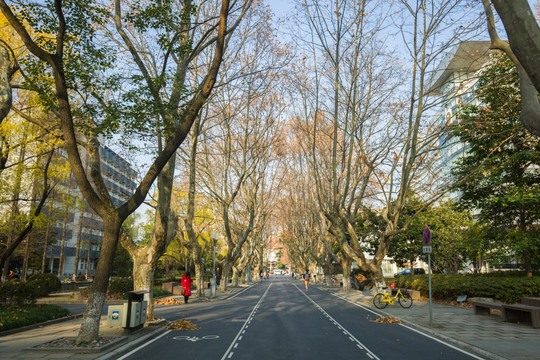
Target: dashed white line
x,y
413,329
347,333
228,354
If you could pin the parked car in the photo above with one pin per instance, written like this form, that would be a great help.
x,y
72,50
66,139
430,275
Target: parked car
x,y
417,271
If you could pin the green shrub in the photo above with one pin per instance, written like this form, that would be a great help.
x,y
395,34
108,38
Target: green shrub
x,y
15,293
12,317
508,289
45,283
120,285
158,291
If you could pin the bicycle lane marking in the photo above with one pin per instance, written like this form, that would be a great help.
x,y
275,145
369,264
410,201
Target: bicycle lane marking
x,y
413,329
228,354
345,332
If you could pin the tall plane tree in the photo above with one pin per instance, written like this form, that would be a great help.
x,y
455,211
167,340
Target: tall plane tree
x,y
164,85
73,60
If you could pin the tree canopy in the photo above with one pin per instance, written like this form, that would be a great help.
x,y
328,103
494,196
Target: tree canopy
x,y
499,176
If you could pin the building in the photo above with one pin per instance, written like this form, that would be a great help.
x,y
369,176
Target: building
x,y
78,231
454,82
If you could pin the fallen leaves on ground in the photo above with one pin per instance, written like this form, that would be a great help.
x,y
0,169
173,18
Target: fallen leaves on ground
x,y
388,320
182,325
166,301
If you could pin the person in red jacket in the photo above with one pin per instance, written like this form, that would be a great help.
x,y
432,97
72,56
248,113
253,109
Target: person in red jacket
x,y
186,283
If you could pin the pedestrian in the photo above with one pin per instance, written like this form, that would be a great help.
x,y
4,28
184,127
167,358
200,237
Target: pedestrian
x,y
315,278
218,276
261,275
307,275
186,283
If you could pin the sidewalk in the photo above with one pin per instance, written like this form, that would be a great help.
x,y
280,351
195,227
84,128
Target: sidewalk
x,y
21,345
486,335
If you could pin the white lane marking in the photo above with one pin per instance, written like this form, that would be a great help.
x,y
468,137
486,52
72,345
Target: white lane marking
x,y
238,337
413,329
238,293
368,352
145,344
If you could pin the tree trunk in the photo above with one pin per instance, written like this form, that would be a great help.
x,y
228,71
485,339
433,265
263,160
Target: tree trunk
x,y
227,266
346,263
5,87
89,253
89,330
378,277
199,272
143,279
524,34
235,276
78,248
24,272
64,231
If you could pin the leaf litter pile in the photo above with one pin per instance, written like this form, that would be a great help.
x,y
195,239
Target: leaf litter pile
x,y
182,325
388,320
167,301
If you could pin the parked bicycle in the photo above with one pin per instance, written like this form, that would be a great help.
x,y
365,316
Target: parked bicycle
x,y
381,300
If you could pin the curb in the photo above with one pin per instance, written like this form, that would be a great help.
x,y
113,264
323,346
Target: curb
x,y
115,354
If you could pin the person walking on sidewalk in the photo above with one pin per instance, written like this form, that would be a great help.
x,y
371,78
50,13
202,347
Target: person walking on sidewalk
x,y
307,275
186,283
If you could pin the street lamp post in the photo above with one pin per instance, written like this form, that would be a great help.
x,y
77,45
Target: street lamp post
x,y
213,281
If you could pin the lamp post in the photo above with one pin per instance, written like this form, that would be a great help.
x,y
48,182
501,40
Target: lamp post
x,y
213,281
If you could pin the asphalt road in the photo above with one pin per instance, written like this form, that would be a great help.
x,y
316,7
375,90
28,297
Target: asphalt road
x,y
278,319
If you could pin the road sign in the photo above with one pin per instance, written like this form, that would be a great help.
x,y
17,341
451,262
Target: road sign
x,y
426,235
426,249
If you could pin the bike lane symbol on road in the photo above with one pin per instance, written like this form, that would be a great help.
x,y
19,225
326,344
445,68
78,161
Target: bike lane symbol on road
x,y
196,338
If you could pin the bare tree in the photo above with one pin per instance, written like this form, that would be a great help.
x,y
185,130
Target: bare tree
x,y
191,29
365,144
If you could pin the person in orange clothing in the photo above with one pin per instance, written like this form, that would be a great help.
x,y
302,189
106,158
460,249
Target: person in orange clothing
x,y
186,283
307,275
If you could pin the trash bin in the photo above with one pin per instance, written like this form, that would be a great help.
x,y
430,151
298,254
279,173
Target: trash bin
x,y
130,315
135,310
115,315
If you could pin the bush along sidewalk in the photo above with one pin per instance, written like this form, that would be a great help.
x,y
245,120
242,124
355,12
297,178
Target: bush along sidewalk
x,y
507,289
13,317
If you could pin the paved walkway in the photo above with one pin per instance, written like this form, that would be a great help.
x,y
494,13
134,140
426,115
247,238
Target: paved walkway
x,y
483,334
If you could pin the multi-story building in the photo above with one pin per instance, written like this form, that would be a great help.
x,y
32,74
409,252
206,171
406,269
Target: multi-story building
x,y
78,231
455,82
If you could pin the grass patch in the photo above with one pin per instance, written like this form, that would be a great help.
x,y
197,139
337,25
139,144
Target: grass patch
x,y
12,317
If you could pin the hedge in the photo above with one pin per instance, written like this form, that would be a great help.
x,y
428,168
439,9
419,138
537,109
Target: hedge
x,y
508,289
13,317
15,293
45,283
